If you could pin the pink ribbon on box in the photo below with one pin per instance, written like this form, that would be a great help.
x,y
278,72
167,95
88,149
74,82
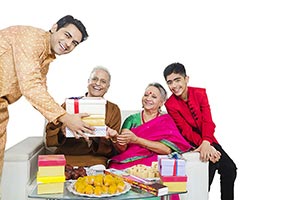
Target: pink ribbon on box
x,y
76,106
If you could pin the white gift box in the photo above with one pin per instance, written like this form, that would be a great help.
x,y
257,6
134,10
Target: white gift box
x,y
90,105
170,166
95,107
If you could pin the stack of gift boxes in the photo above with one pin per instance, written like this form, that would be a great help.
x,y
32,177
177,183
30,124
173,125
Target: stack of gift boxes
x,y
172,172
51,174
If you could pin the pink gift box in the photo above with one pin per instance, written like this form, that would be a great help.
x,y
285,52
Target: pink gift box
x,y
51,160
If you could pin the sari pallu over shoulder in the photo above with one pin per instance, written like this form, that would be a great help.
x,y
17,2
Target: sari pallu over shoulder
x,y
162,129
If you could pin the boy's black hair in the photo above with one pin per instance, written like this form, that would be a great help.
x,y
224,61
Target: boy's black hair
x,y
176,68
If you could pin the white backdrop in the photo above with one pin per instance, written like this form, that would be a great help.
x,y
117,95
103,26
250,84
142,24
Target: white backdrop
x,y
245,53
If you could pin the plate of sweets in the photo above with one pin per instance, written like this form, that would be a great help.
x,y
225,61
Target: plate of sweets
x,y
149,173
99,185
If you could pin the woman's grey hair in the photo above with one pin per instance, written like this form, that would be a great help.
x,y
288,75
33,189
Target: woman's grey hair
x,y
103,69
161,89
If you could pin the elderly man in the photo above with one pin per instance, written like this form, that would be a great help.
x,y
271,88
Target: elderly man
x,y
94,150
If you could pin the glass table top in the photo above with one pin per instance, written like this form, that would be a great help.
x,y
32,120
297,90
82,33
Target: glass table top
x,y
131,194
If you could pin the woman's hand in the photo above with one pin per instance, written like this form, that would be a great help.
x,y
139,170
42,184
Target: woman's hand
x,y
111,134
126,137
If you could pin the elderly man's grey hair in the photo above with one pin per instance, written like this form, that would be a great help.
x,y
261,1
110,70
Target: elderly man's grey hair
x,y
103,69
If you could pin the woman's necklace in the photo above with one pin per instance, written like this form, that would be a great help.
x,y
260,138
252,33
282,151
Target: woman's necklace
x,y
143,120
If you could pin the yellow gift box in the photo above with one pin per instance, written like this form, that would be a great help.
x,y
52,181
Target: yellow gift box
x,y
51,171
50,179
50,188
175,183
50,184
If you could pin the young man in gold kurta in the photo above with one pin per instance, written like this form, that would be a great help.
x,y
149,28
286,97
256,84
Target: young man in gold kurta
x,y
25,55
95,150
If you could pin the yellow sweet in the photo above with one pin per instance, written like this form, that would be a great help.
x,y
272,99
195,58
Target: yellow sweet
x,y
80,184
90,180
108,180
80,188
98,181
98,190
120,186
89,189
112,189
104,189
80,179
85,179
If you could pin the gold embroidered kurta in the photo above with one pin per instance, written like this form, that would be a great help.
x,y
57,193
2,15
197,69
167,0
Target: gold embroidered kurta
x,y
25,55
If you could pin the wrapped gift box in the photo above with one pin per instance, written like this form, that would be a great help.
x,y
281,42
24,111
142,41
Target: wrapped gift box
x,y
100,131
50,179
175,183
170,166
51,160
51,165
51,171
90,105
50,188
95,107
51,174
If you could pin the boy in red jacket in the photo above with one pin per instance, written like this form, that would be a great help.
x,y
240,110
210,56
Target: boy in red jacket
x,y
189,108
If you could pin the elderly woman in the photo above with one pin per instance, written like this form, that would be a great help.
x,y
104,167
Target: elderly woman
x,y
148,133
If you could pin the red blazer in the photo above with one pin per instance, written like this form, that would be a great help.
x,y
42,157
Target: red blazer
x,y
193,117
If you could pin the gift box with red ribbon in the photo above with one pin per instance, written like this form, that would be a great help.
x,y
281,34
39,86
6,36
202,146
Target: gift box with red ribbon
x,y
168,166
95,107
172,172
51,174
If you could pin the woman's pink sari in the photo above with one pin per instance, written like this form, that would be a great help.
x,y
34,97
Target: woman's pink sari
x,y
162,129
